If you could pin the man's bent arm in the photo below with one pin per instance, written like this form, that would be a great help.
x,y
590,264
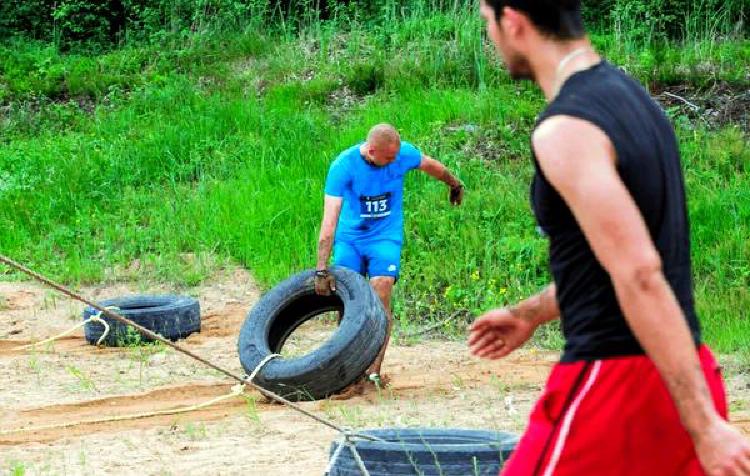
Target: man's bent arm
x,y
580,162
331,212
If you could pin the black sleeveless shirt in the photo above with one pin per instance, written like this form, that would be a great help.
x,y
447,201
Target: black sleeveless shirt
x,y
648,162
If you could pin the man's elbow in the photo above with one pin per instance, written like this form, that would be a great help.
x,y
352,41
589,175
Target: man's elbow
x,y
327,230
643,274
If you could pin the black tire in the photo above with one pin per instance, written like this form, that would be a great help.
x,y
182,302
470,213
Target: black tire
x,y
427,452
336,364
173,317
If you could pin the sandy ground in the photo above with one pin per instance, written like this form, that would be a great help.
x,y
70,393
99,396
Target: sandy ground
x,y
50,396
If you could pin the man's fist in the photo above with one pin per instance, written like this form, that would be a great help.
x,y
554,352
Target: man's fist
x,y
324,283
457,194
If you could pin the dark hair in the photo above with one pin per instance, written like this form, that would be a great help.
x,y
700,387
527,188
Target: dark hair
x,y
560,19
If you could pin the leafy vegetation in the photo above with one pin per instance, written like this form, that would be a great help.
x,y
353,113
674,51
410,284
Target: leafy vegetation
x,y
202,132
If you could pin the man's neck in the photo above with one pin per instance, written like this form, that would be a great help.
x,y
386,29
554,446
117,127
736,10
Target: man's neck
x,y
548,57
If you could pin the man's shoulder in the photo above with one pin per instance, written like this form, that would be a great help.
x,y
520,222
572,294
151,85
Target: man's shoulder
x,y
344,159
407,148
409,157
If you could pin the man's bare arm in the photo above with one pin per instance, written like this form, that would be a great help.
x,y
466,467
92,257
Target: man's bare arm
x,y
499,332
439,171
539,308
580,162
331,212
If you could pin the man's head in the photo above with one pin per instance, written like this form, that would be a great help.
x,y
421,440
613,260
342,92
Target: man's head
x,y
517,26
383,144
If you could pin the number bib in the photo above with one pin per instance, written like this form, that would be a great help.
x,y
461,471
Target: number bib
x,y
378,206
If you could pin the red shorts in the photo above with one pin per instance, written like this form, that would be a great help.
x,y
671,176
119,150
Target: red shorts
x,y
610,417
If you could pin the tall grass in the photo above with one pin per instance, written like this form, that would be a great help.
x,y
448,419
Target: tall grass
x,y
216,148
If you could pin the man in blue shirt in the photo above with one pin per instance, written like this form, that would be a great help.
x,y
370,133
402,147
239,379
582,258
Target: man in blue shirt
x,y
363,219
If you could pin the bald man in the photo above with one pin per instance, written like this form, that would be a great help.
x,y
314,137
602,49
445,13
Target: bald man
x,y
363,211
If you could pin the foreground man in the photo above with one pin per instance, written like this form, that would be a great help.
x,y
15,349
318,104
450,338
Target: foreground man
x,y
363,211
636,392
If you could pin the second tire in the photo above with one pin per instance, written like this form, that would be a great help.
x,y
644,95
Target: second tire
x,y
173,317
337,363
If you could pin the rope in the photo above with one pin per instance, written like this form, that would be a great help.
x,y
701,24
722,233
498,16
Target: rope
x,y
358,459
334,458
94,318
244,380
237,390
347,443
262,363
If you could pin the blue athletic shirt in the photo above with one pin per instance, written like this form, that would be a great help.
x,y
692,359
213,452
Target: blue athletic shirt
x,y
372,196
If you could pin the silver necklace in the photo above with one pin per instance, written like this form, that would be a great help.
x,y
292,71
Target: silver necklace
x,y
563,63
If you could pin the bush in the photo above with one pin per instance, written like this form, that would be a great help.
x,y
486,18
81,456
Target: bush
x,y
104,22
670,19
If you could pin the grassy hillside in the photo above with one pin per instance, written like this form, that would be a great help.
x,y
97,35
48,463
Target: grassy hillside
x,y
196,150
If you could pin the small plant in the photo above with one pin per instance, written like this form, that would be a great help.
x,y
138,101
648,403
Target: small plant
x,y
17,468
196,431
84,381
50,300
129,338
737,406
501,387
252,412
82,456
352,415
35,365
141,353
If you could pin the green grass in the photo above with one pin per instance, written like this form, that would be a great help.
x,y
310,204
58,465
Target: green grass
x,y
217,147
16,468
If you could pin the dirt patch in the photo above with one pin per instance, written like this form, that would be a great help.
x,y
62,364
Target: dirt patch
x,y
238,436
720,105
53,399
16,299
149,409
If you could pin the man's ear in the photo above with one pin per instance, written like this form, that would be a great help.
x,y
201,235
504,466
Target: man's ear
x,y
513,23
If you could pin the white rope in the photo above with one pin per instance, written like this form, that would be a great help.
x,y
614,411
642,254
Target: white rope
x,y
262,363
347,442
358,459
94,318
236,391
334,458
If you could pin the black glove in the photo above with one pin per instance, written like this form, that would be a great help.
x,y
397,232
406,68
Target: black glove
x,y
457,194
324,283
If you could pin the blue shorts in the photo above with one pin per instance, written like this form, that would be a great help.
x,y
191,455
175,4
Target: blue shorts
x,y
369,258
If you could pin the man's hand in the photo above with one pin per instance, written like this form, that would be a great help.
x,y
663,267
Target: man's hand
x,y
324,283
722,450
498,333
457,194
